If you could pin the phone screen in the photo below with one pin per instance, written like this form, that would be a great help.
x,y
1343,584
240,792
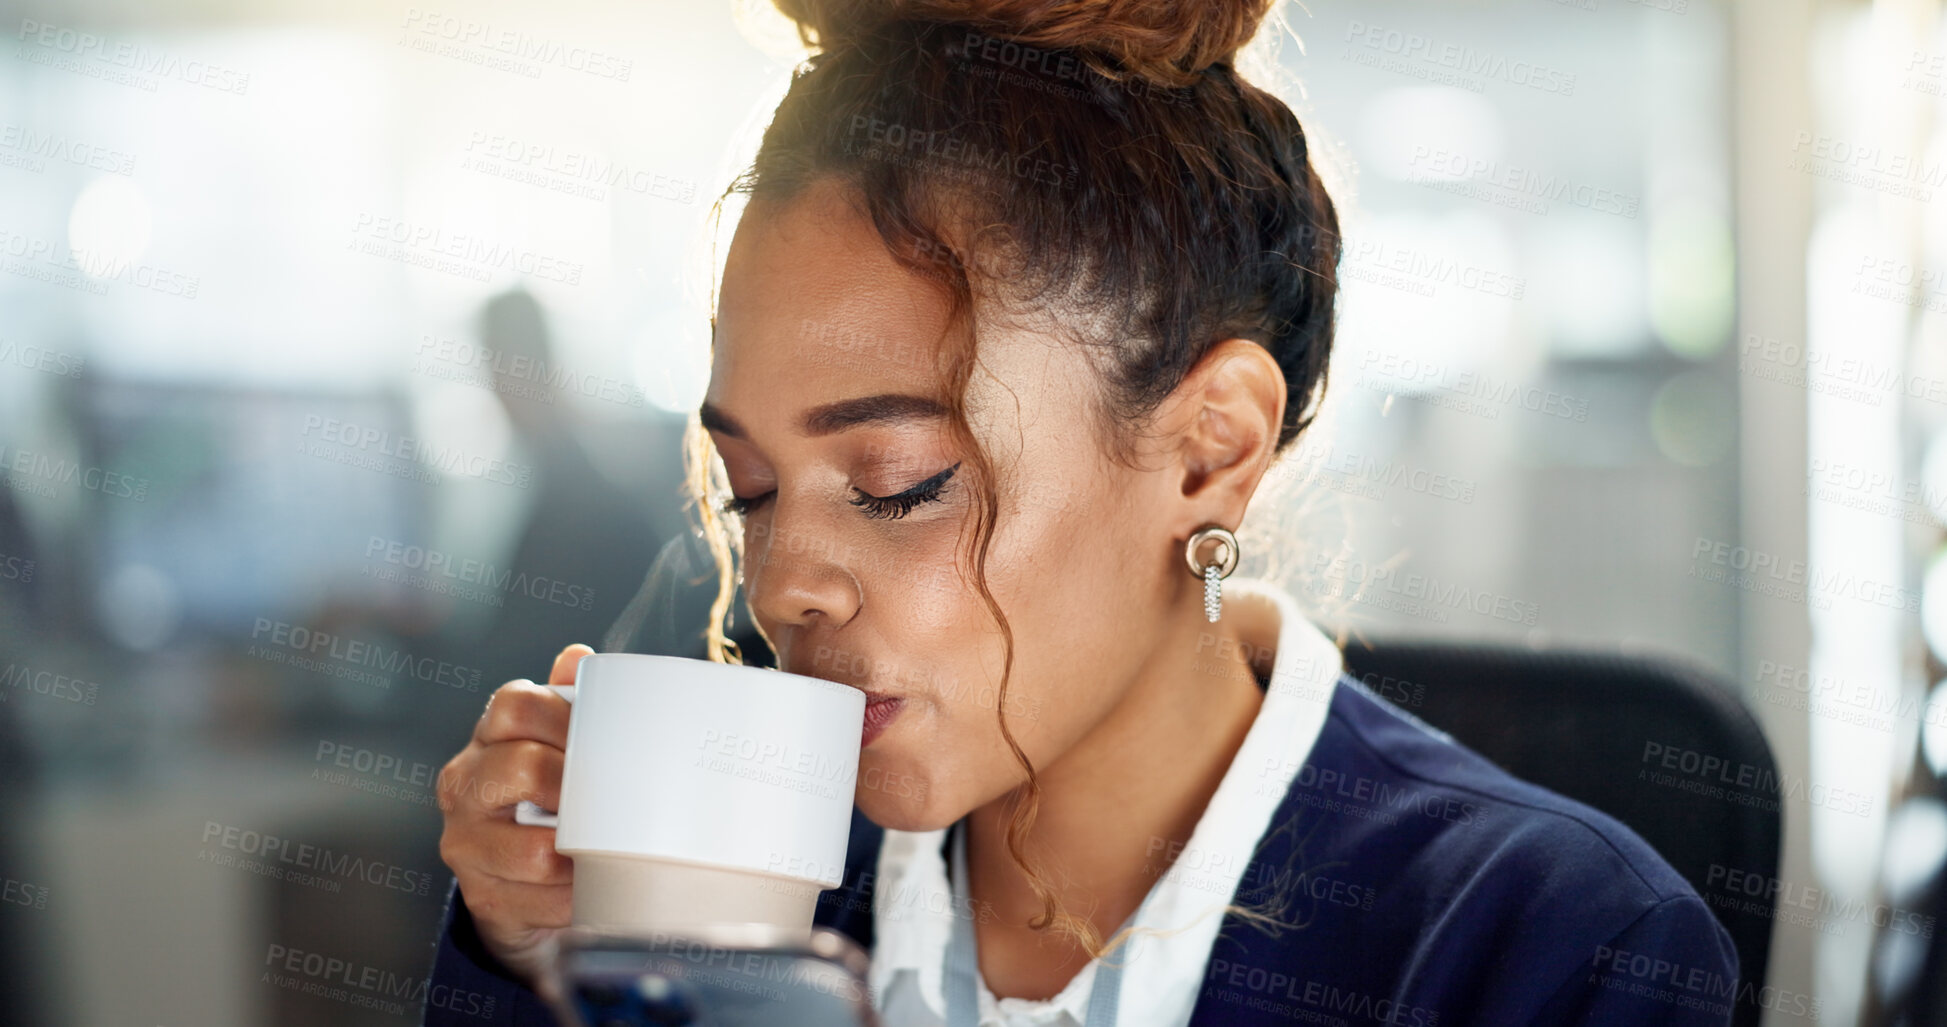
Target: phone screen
x,y
684,981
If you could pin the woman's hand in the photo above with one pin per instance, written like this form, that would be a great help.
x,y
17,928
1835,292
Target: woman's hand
x,y
514,883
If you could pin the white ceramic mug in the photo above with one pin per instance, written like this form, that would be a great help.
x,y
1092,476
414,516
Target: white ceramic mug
x,y
699,793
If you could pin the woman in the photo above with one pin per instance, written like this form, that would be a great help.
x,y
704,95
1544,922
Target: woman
x,y
1027,299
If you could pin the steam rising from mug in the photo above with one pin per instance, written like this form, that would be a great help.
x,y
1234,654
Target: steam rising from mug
x,y
668,613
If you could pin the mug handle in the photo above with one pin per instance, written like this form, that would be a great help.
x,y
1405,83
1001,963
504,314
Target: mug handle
x,y
531,813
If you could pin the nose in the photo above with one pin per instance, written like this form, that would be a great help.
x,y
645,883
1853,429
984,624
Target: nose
x,y
796,578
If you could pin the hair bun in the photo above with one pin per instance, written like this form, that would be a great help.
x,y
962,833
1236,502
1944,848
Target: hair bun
x,y
1168,42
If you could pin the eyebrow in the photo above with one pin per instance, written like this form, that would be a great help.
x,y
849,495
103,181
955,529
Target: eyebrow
x,y
836,417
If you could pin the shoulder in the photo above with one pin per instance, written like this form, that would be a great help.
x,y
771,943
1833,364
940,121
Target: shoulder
x,y
1481,816
1402,864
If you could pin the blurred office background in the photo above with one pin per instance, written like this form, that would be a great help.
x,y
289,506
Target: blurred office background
x,y
345,348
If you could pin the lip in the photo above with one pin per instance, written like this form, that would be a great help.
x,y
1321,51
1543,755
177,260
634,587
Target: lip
x,y
880,712
881,708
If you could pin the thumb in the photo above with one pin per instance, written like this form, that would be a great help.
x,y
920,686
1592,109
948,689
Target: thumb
x,y
564,664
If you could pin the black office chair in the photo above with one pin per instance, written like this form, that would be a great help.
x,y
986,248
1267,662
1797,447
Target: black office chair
x,y
1597,728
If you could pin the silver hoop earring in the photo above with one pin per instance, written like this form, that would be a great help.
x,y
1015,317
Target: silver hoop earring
x,y
1215,571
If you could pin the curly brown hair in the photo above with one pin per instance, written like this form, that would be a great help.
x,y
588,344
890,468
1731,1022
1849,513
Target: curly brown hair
x,y
1098,160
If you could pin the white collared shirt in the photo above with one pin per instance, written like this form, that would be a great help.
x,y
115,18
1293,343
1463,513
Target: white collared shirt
x,y
913,903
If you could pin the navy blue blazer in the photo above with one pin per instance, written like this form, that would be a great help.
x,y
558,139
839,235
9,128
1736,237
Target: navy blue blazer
x,y
1420,885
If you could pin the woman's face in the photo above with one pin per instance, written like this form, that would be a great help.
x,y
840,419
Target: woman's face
x,y
826,360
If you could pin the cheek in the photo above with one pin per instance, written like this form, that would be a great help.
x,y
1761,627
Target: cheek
x,y
1080,581
945,755
1070,586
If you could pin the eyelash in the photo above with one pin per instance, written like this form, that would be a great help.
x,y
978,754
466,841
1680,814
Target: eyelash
x,y
889,508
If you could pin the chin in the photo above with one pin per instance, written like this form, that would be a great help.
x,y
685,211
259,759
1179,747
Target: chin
x,y
901,800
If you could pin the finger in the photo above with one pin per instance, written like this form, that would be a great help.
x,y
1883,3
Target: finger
x,y
524,710
501,905
506,773
564,664
506,850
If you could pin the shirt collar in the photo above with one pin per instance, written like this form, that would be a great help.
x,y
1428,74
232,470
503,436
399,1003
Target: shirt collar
x,y
913,901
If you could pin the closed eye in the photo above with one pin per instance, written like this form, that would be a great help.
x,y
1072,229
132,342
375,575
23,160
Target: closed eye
x,y
741,505
890,507
900,504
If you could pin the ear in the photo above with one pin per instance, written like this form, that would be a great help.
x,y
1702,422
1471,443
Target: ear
x,y
1221,425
